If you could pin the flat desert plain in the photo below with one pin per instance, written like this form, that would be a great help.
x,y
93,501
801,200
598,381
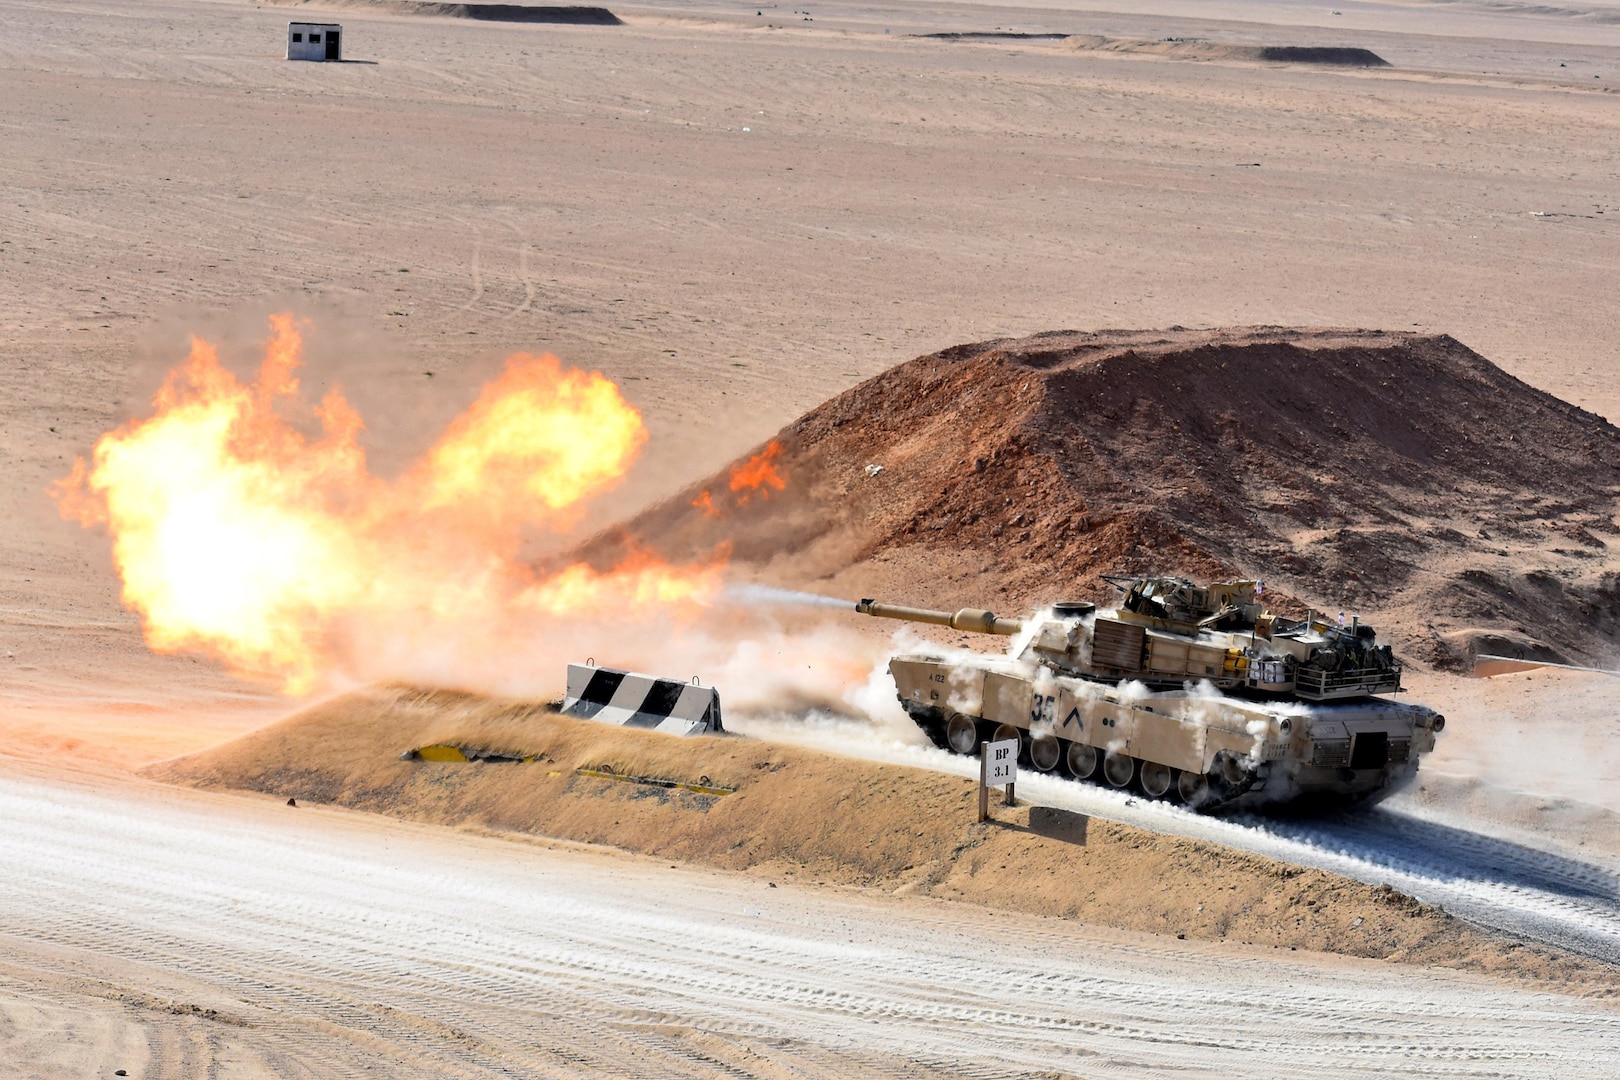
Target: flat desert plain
x,y
736,212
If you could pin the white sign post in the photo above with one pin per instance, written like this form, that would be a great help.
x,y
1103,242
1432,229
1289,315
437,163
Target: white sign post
x,y
998,767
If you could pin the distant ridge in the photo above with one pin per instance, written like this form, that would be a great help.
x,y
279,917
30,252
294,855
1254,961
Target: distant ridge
x,y
1185,48
518,13
1201,49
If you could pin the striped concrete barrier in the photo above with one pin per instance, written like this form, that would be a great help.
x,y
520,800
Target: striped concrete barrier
x,y
644,701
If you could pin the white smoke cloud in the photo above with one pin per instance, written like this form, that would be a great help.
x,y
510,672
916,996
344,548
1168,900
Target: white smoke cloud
x,y
1545,733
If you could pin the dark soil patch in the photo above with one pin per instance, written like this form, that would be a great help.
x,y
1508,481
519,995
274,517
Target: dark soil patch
x,y
1335,55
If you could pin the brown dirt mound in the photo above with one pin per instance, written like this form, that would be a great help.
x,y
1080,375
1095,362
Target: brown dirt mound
x,y
1399,476
806,815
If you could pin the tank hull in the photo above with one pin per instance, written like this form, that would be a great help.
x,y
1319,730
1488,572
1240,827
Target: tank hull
x,y
1210,750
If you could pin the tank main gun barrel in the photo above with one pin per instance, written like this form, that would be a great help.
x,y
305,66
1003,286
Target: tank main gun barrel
x,y
974,620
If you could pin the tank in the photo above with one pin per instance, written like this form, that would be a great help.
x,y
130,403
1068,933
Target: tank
x,y
1184,691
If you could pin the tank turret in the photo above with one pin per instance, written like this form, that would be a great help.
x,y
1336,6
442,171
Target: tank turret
x,y
1169,630
1127,691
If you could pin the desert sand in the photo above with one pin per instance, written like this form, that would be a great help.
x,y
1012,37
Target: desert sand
x,y
485,188
332,942
740,214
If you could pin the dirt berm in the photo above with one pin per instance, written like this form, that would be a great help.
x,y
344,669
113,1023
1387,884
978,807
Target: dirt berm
x,y
571,15
1199,49
1401,477
799,814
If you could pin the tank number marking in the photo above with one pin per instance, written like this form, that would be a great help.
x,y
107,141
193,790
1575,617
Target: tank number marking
x,y
937,676
1042,710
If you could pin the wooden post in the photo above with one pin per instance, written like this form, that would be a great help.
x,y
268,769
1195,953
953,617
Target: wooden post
x,y
1003,769
984,788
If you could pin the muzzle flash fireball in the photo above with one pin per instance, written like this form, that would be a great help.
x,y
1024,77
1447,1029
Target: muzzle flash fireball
x,y
246,525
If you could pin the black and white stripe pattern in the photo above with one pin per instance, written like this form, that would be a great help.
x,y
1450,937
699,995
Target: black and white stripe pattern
x,y
644,701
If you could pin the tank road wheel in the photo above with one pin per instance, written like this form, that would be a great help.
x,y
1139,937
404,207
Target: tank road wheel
x,y
1006,732
1193,787
1081,760
1117,768
1155,778
962,733
1045,752
1233,771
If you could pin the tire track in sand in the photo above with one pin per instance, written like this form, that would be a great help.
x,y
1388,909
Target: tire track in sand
x,y
462,956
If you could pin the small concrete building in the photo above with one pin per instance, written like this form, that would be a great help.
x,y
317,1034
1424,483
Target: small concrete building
x,y
314,41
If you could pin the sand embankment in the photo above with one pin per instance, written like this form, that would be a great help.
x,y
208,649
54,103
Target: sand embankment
x,y
1199,49
799,814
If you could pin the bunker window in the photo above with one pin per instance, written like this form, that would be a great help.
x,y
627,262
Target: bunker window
x,y
315,39
298,37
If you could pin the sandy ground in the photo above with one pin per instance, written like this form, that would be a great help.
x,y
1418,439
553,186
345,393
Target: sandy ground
x,y
482,188
905,824
469,189
263,940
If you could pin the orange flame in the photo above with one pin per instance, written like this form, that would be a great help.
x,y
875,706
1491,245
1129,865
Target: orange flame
x,y
238,535
759,473
578,426
705,503
640,581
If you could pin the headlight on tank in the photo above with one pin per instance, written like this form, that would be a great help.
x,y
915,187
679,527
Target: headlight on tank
x,y
1285,727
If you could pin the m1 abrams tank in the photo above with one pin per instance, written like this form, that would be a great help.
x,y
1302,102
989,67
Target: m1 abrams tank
x,y
1184,691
